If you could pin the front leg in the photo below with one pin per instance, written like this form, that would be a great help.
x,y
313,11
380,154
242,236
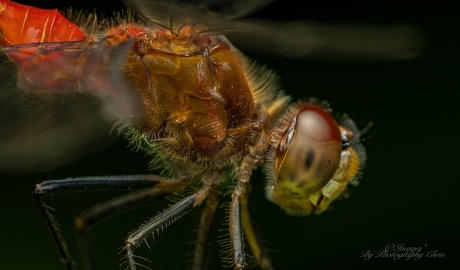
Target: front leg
x,y
239,213
240,220
236,229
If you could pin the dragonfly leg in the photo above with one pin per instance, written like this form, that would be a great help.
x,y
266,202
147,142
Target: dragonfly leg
x,y
239,212
168,216
92,216
84,184
240,219
236,230
204,230
236,235
252,235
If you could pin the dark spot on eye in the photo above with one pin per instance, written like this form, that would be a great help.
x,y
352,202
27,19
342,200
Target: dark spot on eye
x,y
301,184
310,158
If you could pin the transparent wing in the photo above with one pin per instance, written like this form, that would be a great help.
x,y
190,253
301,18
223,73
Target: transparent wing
x,y
294,39
38,133
212,12
55,102
307,40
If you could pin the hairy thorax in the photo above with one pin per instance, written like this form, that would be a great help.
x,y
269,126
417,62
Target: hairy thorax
x,y
196,103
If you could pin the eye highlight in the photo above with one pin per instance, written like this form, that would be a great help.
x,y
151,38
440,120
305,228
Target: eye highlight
x,y
313,159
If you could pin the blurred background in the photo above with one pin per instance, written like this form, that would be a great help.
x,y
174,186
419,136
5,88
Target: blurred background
x,y
408,194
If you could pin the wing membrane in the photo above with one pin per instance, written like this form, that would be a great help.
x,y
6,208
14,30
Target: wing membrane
x,y
293,39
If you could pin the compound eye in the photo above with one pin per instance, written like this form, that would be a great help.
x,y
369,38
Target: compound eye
x,y
309,152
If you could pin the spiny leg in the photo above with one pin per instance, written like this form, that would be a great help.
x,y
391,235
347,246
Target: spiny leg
x,y
204,230
59,240
239,216
236,230
238,206
236,235
90,217
84,184
253,237
168,216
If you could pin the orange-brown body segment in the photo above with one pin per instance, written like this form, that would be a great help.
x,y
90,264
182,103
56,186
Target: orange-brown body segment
x,y
199,96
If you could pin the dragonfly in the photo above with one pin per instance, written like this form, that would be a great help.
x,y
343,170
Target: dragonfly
x,y
207,116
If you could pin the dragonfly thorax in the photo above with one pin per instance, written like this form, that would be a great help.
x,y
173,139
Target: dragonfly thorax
x,y
203,111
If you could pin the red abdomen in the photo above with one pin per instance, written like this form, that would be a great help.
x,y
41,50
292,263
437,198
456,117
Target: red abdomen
x,y
24,24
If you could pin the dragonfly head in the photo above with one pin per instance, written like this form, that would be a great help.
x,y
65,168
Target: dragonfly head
x,y
313,158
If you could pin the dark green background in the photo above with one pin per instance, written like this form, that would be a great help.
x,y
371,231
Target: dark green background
x,y
408,195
